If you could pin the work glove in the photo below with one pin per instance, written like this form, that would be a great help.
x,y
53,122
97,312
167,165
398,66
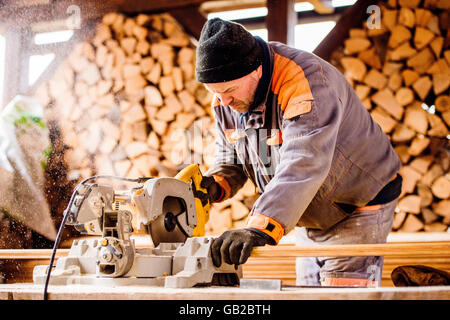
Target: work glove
x,y
213,188
235,246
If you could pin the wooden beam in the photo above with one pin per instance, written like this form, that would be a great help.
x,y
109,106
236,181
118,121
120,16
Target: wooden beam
x,y
281,20
31,254
351,18
191,19
351,250
402,249
231,5
320,6
276,262
88,9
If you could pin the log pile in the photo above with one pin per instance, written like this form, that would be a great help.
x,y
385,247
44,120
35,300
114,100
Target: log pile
x,y
128,104
401,73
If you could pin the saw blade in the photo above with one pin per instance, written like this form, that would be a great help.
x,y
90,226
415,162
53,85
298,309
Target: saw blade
x,y
165,228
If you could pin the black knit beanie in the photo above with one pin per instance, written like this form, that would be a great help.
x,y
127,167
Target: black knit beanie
x,y
226,51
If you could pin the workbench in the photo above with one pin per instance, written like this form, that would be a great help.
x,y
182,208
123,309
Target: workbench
x,y
28,291
277,262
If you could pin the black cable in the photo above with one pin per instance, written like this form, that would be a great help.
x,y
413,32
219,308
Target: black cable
x,y
55,246
66,214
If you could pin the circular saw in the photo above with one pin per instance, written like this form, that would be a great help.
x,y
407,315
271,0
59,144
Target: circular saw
x,y
174,209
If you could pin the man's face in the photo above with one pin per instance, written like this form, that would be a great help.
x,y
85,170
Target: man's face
x,y
239,93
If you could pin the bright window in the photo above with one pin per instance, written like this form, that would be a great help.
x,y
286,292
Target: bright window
x,y
262,33
309,35
38,64
239,14
53,37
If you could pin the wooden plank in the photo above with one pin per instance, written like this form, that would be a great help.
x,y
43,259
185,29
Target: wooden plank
x,y
278,261
436,248
389,249
281,20
35,254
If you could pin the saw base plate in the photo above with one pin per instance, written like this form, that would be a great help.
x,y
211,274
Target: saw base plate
x,y
170,265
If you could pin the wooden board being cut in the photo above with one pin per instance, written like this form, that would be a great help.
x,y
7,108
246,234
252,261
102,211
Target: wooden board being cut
x,y
277,262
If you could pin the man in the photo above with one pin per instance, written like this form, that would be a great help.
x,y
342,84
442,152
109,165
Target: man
x,y
293,125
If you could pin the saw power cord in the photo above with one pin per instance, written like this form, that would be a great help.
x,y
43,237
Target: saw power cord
x,y
66,214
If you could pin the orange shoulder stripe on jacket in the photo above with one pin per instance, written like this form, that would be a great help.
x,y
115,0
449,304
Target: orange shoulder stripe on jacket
x,y
289,82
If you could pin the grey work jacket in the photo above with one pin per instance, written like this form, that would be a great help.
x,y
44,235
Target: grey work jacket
x,y
308,144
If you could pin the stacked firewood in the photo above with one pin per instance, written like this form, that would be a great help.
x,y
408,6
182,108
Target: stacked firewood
x,y
400,70
128,104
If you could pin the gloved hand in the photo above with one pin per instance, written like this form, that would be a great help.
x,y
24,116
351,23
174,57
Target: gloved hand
x,y
213,188
235,246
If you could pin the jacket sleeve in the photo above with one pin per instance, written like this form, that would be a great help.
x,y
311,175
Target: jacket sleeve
x,y
309,133
226,170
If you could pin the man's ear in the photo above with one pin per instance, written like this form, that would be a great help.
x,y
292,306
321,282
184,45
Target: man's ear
x,y
259,71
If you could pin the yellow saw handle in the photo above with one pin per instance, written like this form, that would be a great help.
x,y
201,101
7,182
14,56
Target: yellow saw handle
x,y
192,173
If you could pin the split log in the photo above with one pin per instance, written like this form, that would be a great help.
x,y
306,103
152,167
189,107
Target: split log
x,y
416,118
354,67
355,45
375,79
386,99
418,145
410,204
411,224
441,187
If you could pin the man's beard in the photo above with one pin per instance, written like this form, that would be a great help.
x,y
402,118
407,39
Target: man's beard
x,y
242,106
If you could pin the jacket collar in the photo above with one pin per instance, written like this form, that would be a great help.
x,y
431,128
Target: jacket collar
x,y
255,117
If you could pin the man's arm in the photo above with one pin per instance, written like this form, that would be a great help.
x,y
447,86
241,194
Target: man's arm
x,y
226,170
309,134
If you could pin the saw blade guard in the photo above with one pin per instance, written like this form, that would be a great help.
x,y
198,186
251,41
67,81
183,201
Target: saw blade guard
x,y
167,227
160,200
